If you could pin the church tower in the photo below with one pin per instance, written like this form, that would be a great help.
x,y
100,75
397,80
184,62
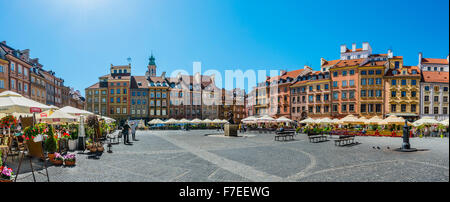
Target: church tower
x,y
152,66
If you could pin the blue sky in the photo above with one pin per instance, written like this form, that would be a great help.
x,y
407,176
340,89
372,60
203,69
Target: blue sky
x,y
79,39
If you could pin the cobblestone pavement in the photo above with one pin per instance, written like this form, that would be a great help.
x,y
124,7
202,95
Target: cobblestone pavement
x,y
195,156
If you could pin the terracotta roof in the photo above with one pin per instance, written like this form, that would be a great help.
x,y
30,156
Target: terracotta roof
x,y
96,85
139,79
435,77
398,57
300,82
330,63
292,74
373,64
375,55
409,70
349,63
117,77
434,61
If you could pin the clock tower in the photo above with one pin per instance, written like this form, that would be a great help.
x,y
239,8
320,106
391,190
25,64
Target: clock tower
x,y
152,66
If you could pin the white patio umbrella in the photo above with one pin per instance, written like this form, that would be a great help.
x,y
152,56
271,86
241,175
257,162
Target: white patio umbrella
x,y
325,121
250,119
11,102
224,121
283,120
445,122
156,121
425,120
374,120
217,121
207,121
392,119
171,121
196,121
350,119
362,120
184,121
74,111
265,119
59,116
336,121
308,120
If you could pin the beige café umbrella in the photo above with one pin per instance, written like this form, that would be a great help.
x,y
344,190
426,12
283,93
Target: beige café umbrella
x,y
325,121
207,121
171,121
373,121
224,121
250,119
265,119
392,119
308,120
11,102
425,121
445,122
351,119
59,117
156,121
75,111
196,121
184,121
283,120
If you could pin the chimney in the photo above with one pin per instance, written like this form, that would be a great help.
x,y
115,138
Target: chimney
x,y
26,55
343,48
322,61
163,75
390,54
420,59
353,47
366,46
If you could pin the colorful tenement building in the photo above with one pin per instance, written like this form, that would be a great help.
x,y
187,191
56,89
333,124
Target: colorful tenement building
x,y
359,83
24,75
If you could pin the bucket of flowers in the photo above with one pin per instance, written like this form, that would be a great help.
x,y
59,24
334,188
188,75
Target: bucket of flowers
x,y
6,174
58,160
69,159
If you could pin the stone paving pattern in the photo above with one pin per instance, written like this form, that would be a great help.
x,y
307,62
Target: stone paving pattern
x,y
172,156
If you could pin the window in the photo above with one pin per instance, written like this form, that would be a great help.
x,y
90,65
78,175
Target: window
x,y
371,81
344,95
344,108
393,82
326,97
133,93
352,72
378,72
311,98
363,108
344,83
363,93
335,95
118,100
436,98
403,82
124,91
13,84
435,68
364,72
403,93
344,73
444,110
436,110
378,93
118,110
378,108
397,64
335,108
371,72
318,98
352,82
25,87
393,107
335,74
403,108
138,93
310,88
413,108
363,82
378,81
2,84
335,84
112,91
426,98
118,91
318,87
370,107
413,94
413,82
427,88
426,110
12,66
445,99
370,92
326,87
445,89
436,88
351,94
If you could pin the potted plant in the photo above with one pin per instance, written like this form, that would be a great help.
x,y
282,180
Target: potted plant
x,y
58,160
6,174
69,159
73,140
50,144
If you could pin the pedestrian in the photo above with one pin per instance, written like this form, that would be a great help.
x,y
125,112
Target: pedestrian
x,y
133,131
125,131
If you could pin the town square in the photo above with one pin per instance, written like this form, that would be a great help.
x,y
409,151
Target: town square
x,y
223,91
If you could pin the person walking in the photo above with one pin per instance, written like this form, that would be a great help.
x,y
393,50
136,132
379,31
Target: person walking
x,y
133,131
125,132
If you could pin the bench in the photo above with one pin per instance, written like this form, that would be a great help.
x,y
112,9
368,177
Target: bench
x,y
345,140
316,137
286,135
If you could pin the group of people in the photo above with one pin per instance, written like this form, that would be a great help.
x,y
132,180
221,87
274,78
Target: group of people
x,y
127,128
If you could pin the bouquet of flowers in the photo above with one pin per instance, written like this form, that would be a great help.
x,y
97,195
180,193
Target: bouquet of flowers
x,y
69,159
6,173
8,122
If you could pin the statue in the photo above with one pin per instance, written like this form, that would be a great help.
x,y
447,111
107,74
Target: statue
x,y
230,117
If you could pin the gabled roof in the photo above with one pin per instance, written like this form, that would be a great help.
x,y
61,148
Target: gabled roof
x,y
96,85
135,80
330,63
434,61
292,74
348,63
435,77
409,70
373,64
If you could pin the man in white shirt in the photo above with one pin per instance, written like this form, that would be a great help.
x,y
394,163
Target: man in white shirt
x,y
133,131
